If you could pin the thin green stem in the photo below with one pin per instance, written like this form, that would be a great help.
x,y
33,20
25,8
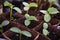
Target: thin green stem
x,y
51,3
11,14
27,12
1,30
38,3
20,35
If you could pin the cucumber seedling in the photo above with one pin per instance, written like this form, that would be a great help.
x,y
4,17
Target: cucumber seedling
x,y
28,19
28,6
47,17
4,23
54,2
17,30
6,3
27,16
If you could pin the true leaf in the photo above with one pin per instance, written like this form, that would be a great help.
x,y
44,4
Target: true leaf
x,y
52,10
45,32
15,29
31,18
47,18
17,9
45,25
5,22
27,15
25,4
26,33
27,22
33,5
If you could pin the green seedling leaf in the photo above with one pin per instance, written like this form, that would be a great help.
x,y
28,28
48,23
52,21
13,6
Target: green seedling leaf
x,y
44,11
45,25
47,18
27,15
26,33
33,5
45,32
15,29
6,3
27,22
5,22
26,8
17,9
52,10
25,4
31,18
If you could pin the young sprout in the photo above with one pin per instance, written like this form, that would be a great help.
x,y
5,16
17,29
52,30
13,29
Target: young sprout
x,y
53,2
6,3
47,16
28,19
4,23
17,30
45,31
28,6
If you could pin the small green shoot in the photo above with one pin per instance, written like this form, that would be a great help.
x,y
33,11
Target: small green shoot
x,y
47,16
4,23
17,30
28,6
45,31
53,2
28,19
6,3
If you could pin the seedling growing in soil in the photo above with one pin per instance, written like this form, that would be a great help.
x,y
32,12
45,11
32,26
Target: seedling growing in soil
x,y
28,6
4,23
53,2
6,3
17,30
28,19
45,31
47,16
